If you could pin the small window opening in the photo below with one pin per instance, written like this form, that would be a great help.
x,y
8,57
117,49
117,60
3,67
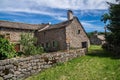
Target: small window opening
x,y
78,32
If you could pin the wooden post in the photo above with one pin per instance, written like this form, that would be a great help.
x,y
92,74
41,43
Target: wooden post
x,y
105,31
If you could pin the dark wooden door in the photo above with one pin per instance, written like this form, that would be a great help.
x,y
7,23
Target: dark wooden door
x,y
84,44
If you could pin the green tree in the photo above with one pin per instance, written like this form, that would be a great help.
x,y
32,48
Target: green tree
x,y
94,32
28,44
6,49
90,34
112,20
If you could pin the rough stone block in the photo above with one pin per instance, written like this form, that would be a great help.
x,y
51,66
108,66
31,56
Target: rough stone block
x,y
1,78
8,76
34,67
9,66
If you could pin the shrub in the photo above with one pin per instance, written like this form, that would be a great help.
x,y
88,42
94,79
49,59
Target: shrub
x,y
20,53
28,44
6,49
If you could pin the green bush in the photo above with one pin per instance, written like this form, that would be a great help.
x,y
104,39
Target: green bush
x,y
6,49
20,53
28,44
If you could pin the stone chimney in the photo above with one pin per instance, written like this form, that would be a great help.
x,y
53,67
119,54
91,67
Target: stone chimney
x,y
70,14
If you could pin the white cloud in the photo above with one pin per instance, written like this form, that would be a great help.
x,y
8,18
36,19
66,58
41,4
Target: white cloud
x,y
50,7
60,18
38,5
74,4
91,27
46,7
91,21
30,11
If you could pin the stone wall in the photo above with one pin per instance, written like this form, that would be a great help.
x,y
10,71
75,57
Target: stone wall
x,y
20,68
56,35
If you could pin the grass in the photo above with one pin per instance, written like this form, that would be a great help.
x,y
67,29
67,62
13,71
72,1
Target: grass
x,y
96,65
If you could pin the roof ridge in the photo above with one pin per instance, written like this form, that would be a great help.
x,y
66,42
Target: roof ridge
x,y
22,22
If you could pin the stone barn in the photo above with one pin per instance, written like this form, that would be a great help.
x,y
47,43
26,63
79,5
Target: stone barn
x,y
69,34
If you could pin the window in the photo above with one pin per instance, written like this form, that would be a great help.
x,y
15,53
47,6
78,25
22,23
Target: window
x,y
44,33
55,44
84,44
78,32
7,36
17,47
42,45
47,45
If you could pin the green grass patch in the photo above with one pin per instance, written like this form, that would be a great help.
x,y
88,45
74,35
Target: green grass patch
x,y
96,65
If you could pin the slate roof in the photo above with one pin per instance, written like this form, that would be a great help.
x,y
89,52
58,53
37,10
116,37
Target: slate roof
x,y
57,26
101,37
39,27
16,25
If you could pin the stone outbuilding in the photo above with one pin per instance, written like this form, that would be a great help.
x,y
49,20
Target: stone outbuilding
x,y
97,39
53,37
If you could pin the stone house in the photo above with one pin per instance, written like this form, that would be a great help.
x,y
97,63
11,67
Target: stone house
x,y
97,39
61,36
13,30
64,35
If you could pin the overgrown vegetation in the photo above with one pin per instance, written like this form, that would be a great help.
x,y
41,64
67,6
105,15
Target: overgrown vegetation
x,y
6,49
96,65
28,45
113,20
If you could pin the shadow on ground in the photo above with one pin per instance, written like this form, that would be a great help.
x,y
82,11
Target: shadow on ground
x,y
102,53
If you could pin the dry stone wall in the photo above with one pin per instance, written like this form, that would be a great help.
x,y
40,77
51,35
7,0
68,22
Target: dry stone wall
x,y
20,68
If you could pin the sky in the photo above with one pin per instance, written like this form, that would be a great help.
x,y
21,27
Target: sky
x,y
89,12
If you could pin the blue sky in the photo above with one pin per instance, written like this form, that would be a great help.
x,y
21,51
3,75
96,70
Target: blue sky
x,y
89,12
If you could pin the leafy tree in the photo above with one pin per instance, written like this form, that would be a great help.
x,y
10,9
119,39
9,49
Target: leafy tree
x,y
28,45
90,34
6,49
113,24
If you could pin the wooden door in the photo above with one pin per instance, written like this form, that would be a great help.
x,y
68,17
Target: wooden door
x,y
17,47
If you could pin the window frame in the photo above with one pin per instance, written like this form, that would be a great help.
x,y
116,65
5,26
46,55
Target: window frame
x,y
7,36
78,31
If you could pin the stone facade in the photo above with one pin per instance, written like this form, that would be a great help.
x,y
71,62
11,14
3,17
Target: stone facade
x,y
12,31
52,40
20,68
76,36
14,34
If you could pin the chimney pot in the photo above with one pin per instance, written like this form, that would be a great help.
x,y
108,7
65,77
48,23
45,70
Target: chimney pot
x,y
70,14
